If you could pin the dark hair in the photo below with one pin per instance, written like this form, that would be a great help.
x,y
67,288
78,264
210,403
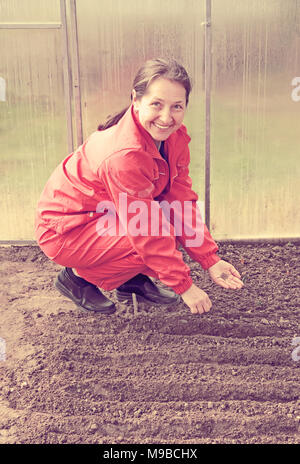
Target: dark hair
x,y
151,70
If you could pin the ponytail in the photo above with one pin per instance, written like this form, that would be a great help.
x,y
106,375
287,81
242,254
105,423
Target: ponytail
x,y
112,120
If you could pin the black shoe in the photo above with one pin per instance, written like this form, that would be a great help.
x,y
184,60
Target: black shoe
x,y
145,289
84,294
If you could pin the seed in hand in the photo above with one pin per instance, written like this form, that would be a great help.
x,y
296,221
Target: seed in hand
x,y
224,276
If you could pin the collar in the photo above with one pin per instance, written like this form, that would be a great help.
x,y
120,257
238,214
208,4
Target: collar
x,y
146,136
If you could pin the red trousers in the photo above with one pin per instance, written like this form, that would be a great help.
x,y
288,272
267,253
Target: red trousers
x,y
106,261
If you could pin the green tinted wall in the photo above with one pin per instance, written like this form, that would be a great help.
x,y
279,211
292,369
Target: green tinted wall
x,y
255,176
32,115
255,121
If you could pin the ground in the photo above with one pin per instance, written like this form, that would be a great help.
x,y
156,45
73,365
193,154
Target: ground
x,y
159,374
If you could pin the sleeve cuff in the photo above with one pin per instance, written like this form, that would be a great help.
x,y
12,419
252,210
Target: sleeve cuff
x,y
184,286
209,261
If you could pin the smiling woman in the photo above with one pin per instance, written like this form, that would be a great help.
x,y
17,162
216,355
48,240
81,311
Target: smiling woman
x,y
138,158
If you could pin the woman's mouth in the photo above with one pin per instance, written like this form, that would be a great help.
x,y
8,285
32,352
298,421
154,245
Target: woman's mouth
x,y
162,127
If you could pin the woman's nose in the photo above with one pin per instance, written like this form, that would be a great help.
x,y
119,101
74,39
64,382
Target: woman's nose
x,y
165,116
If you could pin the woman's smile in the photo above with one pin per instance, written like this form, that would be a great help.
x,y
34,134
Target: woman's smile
x,y
162,127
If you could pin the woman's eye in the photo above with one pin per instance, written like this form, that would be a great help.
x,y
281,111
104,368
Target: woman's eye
x,y
155,104
178,107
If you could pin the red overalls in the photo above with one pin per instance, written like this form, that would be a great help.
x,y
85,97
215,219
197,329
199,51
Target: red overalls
x,y
111,187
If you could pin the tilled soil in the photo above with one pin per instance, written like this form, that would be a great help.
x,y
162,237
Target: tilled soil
x,y
156,374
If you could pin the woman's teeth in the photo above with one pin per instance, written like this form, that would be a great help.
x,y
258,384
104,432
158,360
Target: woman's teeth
x,y
161,127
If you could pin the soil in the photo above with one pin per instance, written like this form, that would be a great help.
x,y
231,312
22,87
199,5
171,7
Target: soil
x,y
156,374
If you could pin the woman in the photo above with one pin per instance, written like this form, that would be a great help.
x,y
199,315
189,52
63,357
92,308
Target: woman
x,y
115,211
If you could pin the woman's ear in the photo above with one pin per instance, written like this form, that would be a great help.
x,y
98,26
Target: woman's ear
x,y
134,100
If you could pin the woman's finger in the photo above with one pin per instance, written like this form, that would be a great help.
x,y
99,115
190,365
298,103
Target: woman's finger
x,y
207,306
235,283
235,272
220,281
200,309
229,282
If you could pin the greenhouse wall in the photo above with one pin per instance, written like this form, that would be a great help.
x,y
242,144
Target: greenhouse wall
x,y
60,77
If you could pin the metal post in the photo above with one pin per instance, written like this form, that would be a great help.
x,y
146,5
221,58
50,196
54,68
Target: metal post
x,y
208,66
67,77
76,72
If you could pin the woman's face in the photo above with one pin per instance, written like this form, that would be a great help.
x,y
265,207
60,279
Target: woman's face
x,y
161,109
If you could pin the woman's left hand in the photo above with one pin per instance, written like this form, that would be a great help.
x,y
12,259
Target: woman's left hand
x,y
225,275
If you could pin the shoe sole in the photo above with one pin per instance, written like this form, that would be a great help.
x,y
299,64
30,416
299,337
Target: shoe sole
x,y
122,296
61,288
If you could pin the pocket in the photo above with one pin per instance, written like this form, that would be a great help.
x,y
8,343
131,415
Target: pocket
x,y
155,172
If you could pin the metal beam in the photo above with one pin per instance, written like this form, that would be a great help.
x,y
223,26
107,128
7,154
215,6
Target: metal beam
x,y
67,76
208,67
76,72
50,25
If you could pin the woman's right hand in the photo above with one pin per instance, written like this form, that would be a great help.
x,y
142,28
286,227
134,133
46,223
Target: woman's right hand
x,y
197,300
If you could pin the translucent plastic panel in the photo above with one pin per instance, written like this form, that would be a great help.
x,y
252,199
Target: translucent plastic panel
x,y
255,186
29,11
32,124
115,38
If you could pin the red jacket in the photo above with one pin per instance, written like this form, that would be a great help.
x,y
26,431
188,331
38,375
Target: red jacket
x,y
124,160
